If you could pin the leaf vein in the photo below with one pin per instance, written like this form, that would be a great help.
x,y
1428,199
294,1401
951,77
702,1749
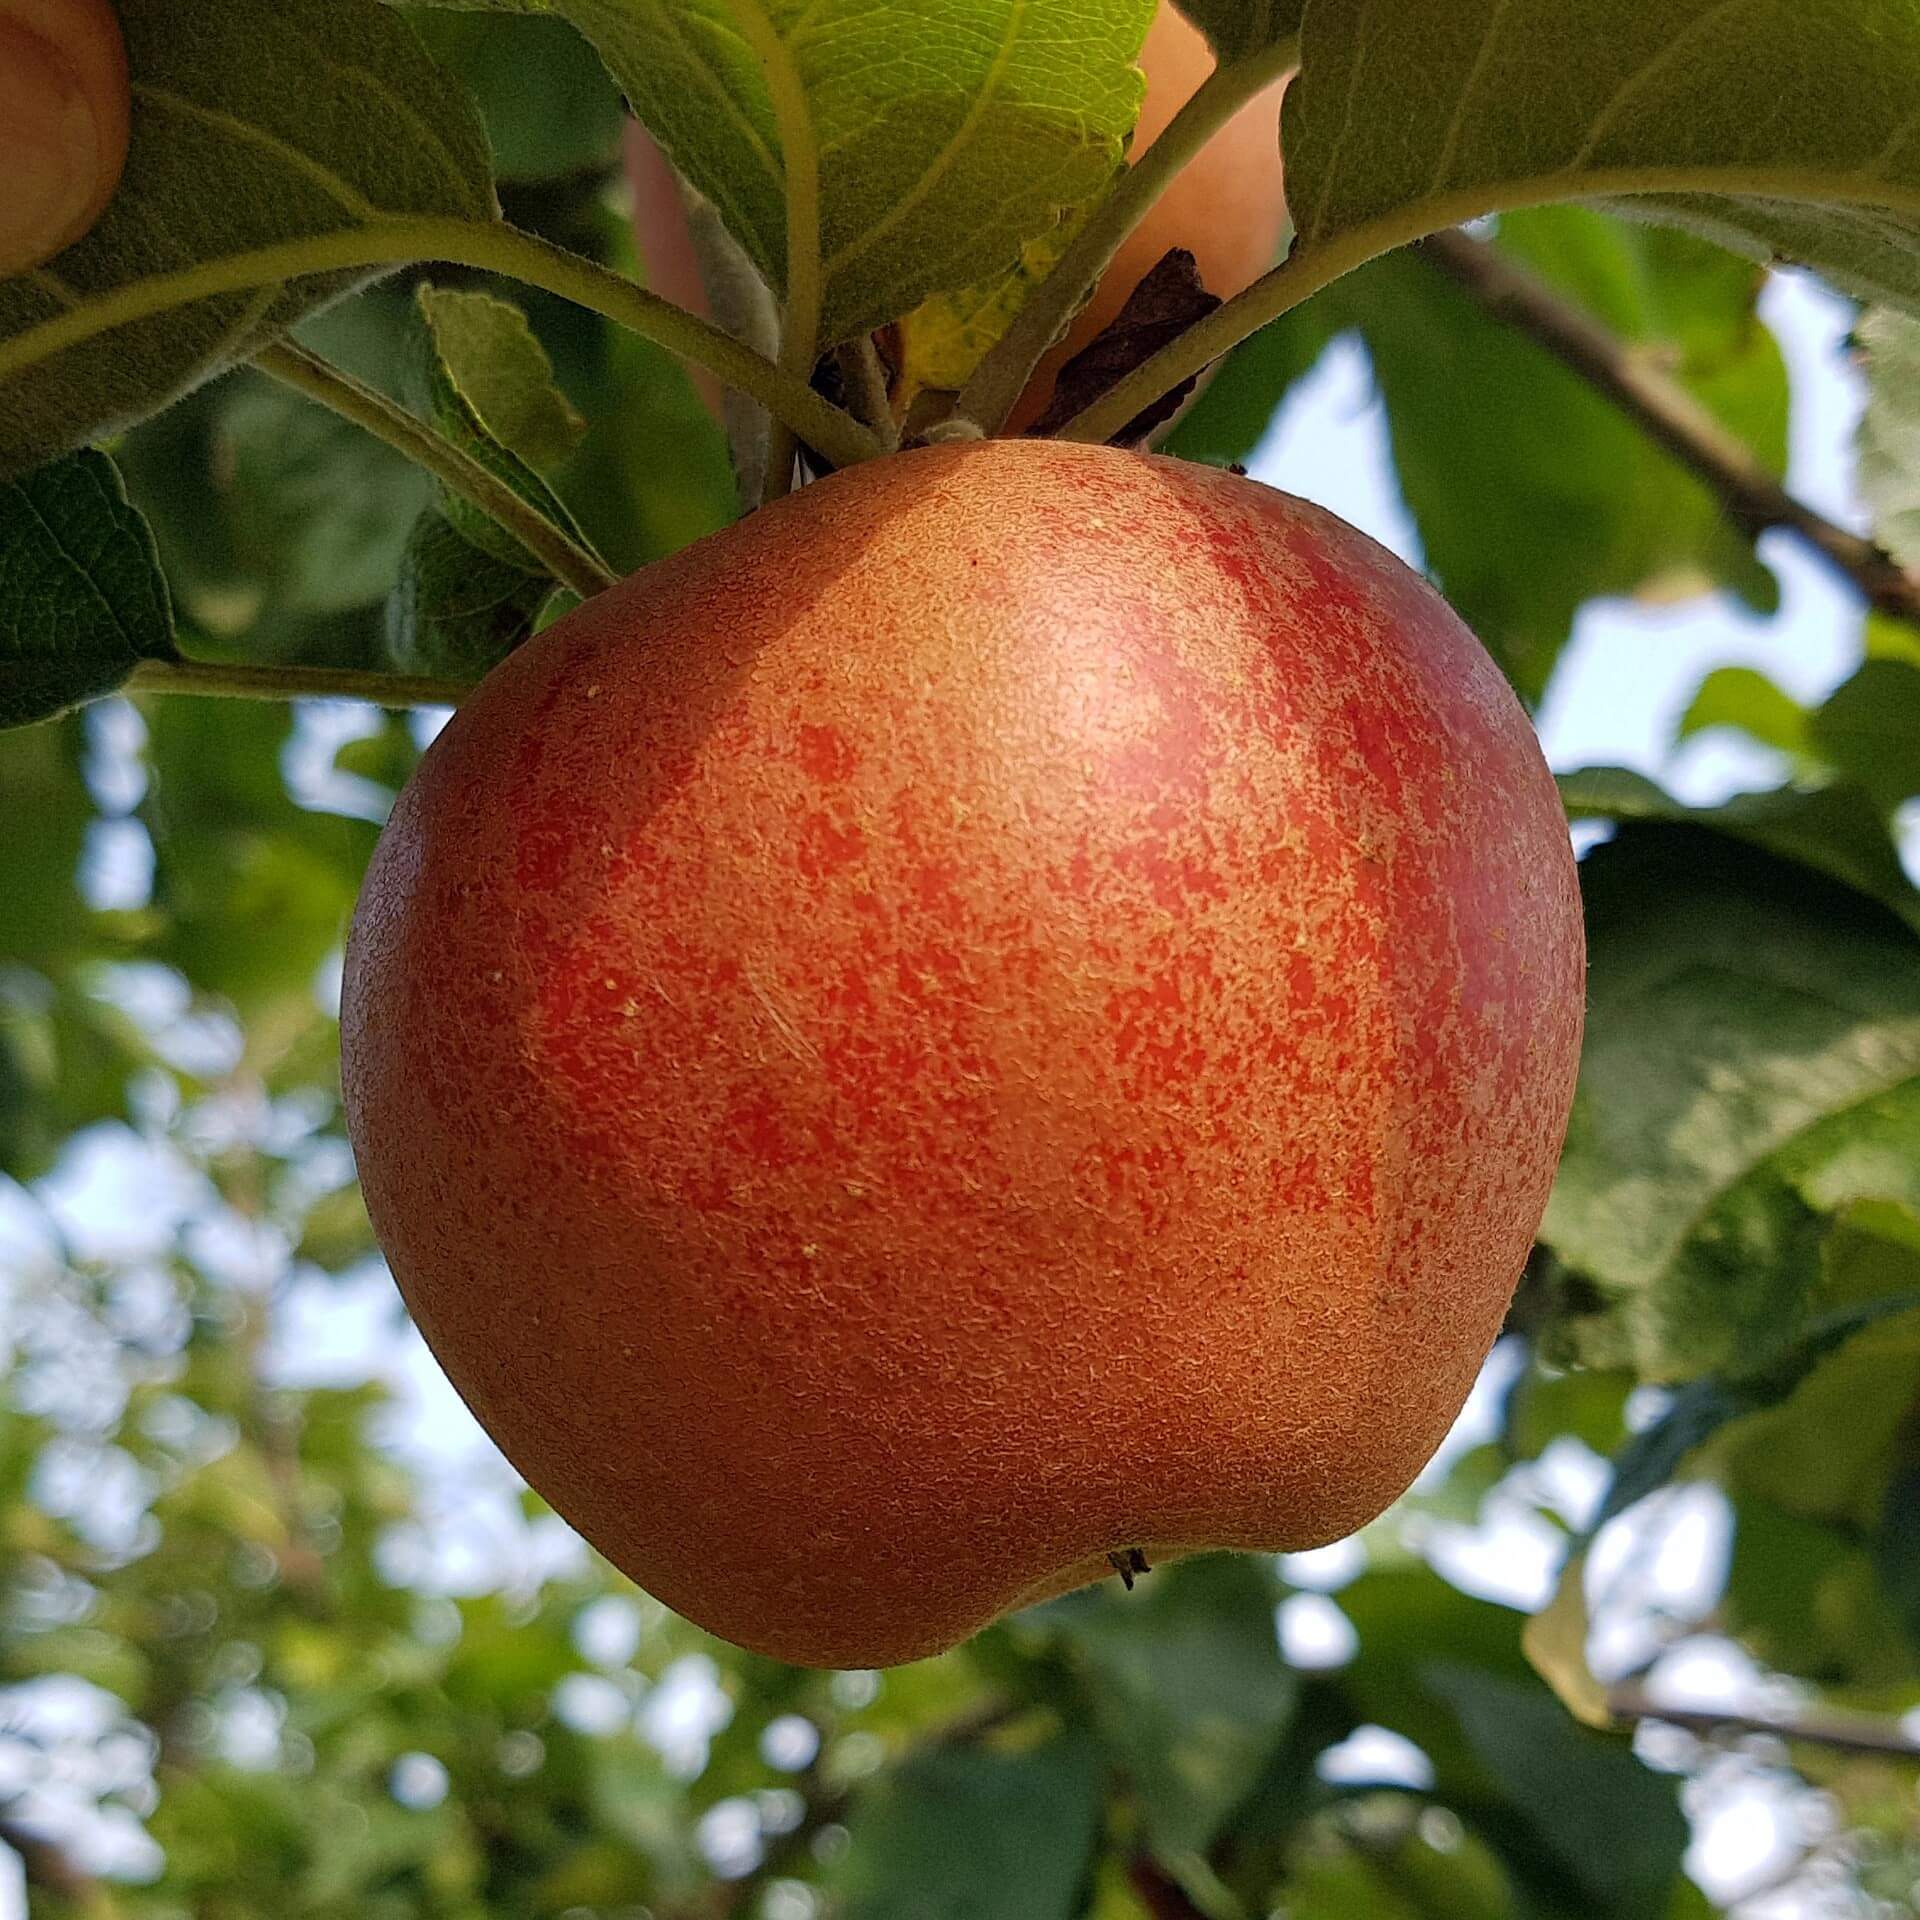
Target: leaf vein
x,y
1609,115
348,196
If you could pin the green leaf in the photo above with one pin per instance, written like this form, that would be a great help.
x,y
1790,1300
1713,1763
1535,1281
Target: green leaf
x,y
1889,446
508,373
1409,1619
503,375
1700,1411
1189,1692
917,150
1896,1547
1235,28
976,1833
1835,830
1869,730
82,598
1775,126
1501,450
255,890
1585,1824
459,609
469,592
1805,1598
255,123
317,511
549,106
1752,1065
1746,701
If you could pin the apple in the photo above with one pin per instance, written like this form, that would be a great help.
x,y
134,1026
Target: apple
x,y
65,110
1018,1006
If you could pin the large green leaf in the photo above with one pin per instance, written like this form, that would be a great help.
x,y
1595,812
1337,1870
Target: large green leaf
x,y
1586,1827
549,106
1189,1691
1869,730
1752,1065
908,151
255,123
82,598
1836,829
1236,27
972,1833
1782,126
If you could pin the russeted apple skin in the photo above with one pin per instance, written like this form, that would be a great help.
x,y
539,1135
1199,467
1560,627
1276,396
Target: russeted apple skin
x,y
1019,1003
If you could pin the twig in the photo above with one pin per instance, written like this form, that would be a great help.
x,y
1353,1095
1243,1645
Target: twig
x,y
1843,1733
1752,497
337,390
226,680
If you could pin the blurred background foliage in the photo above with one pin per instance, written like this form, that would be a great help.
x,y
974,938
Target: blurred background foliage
x,y
279,1635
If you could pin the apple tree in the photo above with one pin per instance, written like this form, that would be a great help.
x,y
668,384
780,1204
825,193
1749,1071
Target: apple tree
x,y
396,339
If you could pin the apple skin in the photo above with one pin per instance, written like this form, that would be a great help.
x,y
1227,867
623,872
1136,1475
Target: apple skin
x,y
1227,206
65,121
1019,1003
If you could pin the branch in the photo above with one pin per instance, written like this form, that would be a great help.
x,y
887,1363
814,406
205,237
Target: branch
x,y
1842,1733
459,472
225,680
1000,379
1752,497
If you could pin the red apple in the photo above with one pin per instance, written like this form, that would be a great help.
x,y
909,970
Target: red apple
x,y
1018,1005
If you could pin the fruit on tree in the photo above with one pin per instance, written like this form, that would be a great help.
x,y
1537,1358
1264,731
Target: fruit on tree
x,y
1227,206
1018,1005
64,118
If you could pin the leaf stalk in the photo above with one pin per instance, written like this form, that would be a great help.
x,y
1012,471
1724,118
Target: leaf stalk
x,y
337,390
1000,379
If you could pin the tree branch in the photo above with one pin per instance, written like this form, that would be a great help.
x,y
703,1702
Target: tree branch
x,y
1752,497
1842,1733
